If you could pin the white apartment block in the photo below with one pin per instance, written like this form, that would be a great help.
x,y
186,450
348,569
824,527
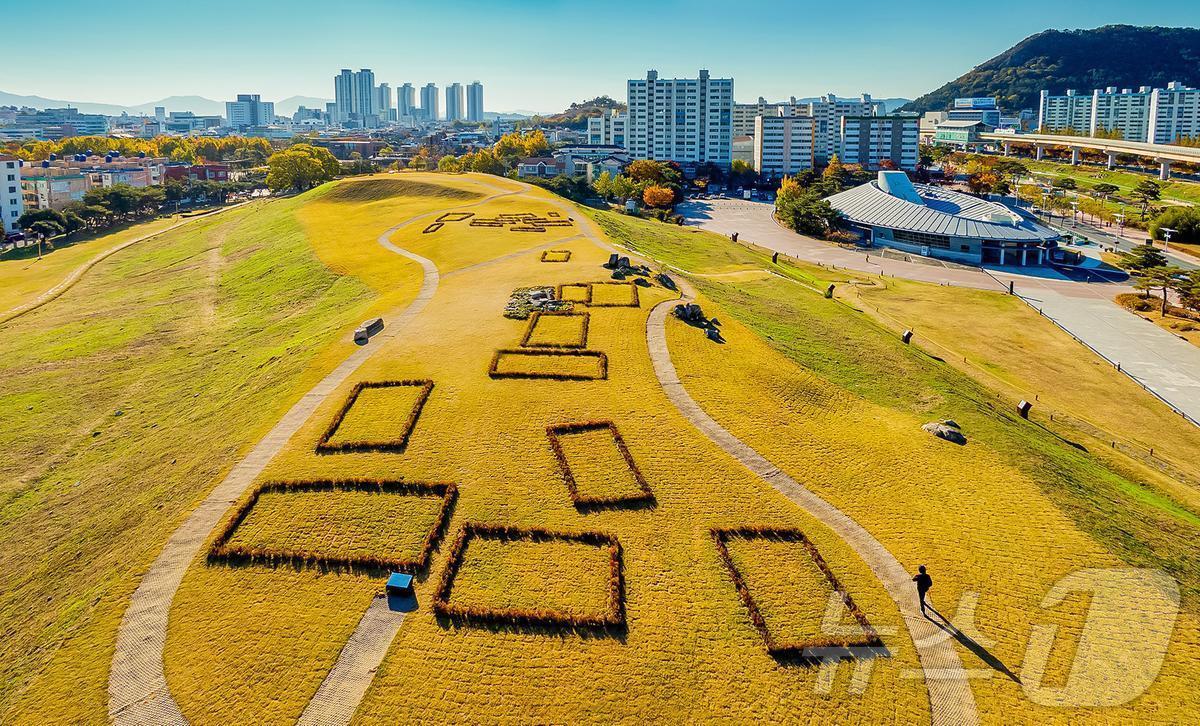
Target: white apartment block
x,y
475,102
1174,114
1069,111
783,144
456,108
249,110
1157,116
12,203
686,120
406,101
429,102
745,113
610,130
827,113
870,140
1126,111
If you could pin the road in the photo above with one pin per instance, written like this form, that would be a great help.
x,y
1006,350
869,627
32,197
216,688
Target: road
x,y
1082,303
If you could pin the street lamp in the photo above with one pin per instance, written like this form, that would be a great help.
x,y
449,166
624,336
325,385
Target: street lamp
x,y
1167,232
1120,223
1074,213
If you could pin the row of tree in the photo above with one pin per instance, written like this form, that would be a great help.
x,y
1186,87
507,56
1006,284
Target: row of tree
x,y
101,208
176,148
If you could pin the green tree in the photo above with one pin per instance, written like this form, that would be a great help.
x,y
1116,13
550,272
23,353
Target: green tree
x,y
1145,193
301,167
804,210
1142,257
1065,182
1184,221
1105,189
1162,278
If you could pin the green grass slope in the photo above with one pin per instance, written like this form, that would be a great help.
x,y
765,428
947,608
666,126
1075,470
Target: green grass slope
x,y
123,402
1137,521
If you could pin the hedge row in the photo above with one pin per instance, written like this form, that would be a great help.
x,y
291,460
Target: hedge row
x,y
612,617
556,255
554,433
495,373
396,446
222,551
797,650
536,316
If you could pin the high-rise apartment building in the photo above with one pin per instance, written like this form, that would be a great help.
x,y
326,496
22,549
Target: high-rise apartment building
x,y
475,102
1125,112
249,110
365,97
343,95
827,113
687,120
455,102
1174,114
429,102
783,143
745,113
383,102
610,130
870,141
406,101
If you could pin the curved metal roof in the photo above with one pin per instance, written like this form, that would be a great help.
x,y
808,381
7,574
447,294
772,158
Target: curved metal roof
x,y
942,211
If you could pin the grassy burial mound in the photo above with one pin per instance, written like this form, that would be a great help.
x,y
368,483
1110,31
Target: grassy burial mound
x,y
128,398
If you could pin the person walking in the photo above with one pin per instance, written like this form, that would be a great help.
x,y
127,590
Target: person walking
x,y
924,582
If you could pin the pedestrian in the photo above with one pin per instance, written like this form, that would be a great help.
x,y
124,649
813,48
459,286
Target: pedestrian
x,y
924,582
775,258
735,234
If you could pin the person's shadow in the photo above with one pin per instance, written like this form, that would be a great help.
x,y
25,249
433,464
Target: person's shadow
x,y
970,644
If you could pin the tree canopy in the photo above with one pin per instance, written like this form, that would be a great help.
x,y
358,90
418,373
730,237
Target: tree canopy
x,y
301,167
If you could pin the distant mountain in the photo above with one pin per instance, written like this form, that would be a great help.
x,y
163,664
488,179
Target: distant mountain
x,y
288,106
197,104
12,99
1114,55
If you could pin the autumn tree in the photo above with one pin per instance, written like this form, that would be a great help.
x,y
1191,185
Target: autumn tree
x,y
656,196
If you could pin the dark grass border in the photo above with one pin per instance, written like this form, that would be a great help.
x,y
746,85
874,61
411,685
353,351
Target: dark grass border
x,y
544,352
587,286
546,255
634,298
395,446
613,617
536,316
222,552
455,217
808,650
433,227
644,494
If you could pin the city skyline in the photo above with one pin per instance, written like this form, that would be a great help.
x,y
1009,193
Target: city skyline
x,y
548,75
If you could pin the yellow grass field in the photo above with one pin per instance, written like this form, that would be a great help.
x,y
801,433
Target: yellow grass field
x,y
347,524
557,331
825,392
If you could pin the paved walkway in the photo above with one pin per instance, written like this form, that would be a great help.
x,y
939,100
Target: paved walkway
x,y
343,689
1162,363
950,698
137,687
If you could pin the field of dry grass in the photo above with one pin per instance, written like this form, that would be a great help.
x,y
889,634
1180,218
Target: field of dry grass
x,y
662,631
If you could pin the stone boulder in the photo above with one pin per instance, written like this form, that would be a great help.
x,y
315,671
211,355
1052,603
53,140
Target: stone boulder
x,y
947,430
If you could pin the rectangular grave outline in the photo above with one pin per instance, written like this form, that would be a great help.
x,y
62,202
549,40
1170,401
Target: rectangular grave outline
x,y
634,302
534,317
793,650
396,446
493,371
613,616
554,433
587,286
222,552
546,255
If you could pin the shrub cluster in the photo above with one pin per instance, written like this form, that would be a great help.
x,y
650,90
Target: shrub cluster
x,y
554,433
536,316
612,617
556,255
395,446
494,372
792,650
222,551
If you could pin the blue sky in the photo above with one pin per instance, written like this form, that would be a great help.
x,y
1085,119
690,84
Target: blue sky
x,y
531,54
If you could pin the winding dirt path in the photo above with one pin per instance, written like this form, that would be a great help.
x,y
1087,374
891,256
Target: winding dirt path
x,y
137,687
950,698
77,274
